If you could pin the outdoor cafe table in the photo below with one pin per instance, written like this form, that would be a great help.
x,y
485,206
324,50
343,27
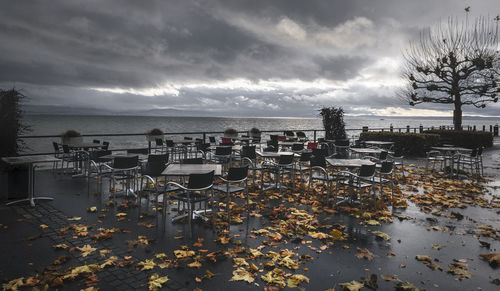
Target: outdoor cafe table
x,y
235,148
349,163
141,157
85,146
379,143
451,149
274,155
289,143
367,151
30,161
185,170
449,153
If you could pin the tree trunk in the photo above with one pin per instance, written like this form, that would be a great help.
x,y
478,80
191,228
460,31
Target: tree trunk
x,y
457,116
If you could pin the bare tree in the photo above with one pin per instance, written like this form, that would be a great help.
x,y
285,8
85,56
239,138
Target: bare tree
x,y
454,63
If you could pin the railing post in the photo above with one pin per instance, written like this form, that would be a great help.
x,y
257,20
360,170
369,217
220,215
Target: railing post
x,y
149,146
204,137
491,128
391,128
474,128
314,135
495,130
421,128
484,127
415,130
407,128
365,128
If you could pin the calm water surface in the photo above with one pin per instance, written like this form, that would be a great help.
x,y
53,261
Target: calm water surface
x,y
56,124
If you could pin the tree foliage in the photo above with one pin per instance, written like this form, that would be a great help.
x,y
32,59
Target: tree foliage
x,y
333,122
10,119
454,63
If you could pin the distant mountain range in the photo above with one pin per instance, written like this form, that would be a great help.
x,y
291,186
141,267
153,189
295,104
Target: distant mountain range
x,y
68,110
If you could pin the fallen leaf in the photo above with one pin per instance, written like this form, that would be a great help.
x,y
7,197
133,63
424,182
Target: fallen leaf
x,y
156,282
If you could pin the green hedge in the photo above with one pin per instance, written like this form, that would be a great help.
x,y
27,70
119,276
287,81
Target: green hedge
x,y
467,139
409,144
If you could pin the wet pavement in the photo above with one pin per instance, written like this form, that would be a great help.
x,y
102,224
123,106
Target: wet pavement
x,y
422,228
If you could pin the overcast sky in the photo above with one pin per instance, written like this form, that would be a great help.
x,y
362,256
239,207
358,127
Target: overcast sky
x,y
239,58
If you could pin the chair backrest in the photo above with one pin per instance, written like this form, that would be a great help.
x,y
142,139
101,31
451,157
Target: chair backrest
x,y
297,146
386,167
285,159
274,137
66,149
105,145
227,140
256,139
320,152
288,133
281,138
96,141
473,153
138,151
383,155
342,142
203,147
55,145
480,151
301,134
125,162
317,161
201,181
159,142
305,156
170,143
188,138
272,146
321,139
248,152
237,174
161,159
192,161
312,145
97,154
223,151
367,171
212,139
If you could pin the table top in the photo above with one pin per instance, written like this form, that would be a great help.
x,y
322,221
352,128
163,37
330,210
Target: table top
x,y
349,163
180,140
234,147
451,149
85,145
366,150
187,169
289,143
128,155
274,154
377,142
23,160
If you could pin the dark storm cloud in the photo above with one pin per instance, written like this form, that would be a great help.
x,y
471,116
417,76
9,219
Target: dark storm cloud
x,y
169,54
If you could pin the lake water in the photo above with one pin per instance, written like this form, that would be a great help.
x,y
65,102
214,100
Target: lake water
x,y
56,124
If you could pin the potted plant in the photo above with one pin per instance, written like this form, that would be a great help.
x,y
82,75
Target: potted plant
x,y
154,134
230,132
71,137
254,132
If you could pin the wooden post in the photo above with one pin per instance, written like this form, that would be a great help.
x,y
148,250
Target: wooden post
x,y
407,128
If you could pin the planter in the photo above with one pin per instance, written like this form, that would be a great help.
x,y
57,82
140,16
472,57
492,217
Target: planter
x,y
153,138
71,140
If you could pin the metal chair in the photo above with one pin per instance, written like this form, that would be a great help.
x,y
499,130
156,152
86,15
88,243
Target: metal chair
x,y
297,147
385,175
234,176
196,191
470,161
279,169
57,154
361,181
123,169
433,158
301,136
223,155
150,173
95,167
318,172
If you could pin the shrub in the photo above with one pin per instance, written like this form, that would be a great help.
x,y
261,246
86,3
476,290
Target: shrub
x,y
462,138
230,132
409,144
70,133
155,131
255,131
333,122
11,125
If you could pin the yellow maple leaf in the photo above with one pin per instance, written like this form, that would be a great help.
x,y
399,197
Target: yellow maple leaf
x,y
194,264
276,276
382,235
43,226
121,214
156,282
241,274
13,284
352,286
60,246
147,264
92,209
296,279
240,262
183,254
86,250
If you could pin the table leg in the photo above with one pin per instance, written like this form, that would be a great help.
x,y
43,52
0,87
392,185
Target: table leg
x,y
31,184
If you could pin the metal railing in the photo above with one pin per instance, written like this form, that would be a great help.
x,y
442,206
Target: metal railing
x,y
316,133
